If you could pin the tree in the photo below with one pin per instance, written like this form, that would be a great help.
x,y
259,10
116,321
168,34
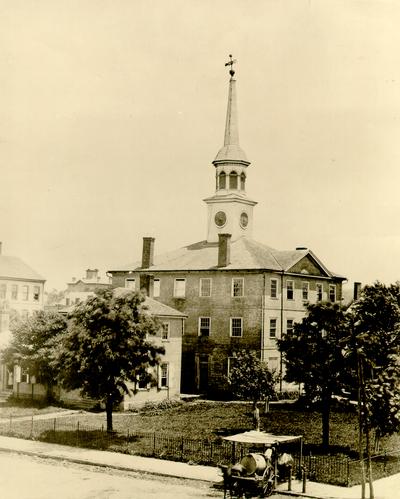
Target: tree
x,y
374,348
54,297
106,346
250,378
313,356
33,342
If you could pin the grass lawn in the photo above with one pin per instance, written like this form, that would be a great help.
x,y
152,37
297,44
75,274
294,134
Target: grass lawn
x,y
210,420
17,408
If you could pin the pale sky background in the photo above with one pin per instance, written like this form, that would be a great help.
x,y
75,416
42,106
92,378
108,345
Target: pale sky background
x,y
112,111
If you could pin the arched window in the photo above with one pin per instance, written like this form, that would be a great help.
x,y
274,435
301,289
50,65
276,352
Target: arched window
x,y
242,181
233,180
222,180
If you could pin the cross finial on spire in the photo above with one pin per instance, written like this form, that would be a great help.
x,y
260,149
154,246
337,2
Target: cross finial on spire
x,y
231,63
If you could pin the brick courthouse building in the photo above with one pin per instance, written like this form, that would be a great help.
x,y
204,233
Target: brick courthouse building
x,y
236,292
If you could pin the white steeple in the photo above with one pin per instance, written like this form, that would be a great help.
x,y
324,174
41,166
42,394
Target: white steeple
x,y
230,210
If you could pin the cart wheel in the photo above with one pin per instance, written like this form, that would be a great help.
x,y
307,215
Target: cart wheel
x,y
268,488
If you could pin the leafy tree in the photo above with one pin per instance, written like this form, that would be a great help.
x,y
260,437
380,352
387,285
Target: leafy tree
x,y
32,343
54,297
376,333
313,356
106,346
250,378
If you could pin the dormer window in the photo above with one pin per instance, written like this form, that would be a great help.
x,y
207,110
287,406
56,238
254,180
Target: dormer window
x,y
242,181
222,180
233,180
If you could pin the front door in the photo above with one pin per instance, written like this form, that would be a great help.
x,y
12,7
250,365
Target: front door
x,y
203,373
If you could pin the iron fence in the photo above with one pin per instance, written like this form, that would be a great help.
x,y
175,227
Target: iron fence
x,y
332,469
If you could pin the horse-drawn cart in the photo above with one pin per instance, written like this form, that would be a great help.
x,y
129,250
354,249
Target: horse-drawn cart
x,y
256,474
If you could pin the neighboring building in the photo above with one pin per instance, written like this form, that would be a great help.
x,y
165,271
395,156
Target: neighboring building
x,y
167,375
78,290
237,293
21,294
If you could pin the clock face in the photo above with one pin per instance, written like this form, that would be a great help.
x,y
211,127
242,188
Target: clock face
x,y
220,219
244,220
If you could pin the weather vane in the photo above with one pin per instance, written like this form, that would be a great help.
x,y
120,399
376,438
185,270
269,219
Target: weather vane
x,y
231,63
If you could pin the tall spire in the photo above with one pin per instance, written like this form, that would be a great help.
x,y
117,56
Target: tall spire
x,y
231,151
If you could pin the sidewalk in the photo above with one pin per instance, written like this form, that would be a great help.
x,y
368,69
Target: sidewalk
x,y
47,415
386,488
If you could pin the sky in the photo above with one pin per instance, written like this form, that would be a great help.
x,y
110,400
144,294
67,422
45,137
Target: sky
x,y
112,112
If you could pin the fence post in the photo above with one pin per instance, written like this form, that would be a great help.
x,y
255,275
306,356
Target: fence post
x,y
182,447
154,444
290,479
304,478
31,426
10,423
77,434
54,428
348,472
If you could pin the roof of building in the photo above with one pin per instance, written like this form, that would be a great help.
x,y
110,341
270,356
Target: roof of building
x,y
153,307
245,254
84,280
12,267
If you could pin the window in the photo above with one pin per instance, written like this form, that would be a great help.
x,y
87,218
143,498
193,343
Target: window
x,y
319,292
272,328
180,288
289,290
332,292
274,288
273,363
24,376
165,331
231,364
130,283
36,293
142,383
163,376
25,293
204,326
14,291
304,290
242,181
3,291
237,286
205,286
289,326
236,327
156,288
222,180
233,180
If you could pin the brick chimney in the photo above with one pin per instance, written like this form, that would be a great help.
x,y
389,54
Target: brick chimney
x,y
357,290
148,252
92,274
224,249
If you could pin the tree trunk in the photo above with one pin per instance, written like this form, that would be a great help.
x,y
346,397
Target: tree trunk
x,y
370,480
367,431
326,410
109,410
360,426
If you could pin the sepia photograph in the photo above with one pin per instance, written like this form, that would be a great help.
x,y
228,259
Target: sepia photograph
x,y
199,249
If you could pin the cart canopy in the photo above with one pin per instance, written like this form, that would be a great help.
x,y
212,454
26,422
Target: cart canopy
x,y
261,437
